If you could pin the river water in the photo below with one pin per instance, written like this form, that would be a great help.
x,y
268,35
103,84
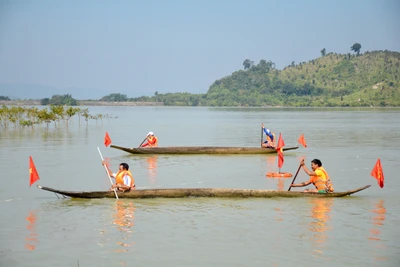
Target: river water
x,y
39,229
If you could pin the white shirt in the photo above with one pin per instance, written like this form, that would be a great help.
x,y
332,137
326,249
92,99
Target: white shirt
x,y
127,179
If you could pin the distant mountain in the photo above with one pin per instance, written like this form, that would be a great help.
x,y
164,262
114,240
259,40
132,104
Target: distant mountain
x,y
370,79
344,80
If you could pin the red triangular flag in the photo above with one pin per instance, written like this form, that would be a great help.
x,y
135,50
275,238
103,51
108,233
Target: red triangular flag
x,y
377,172
302,141
279,149
107,140
33,174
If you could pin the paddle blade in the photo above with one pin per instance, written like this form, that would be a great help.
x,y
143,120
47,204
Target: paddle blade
x,y
33,174
302,140
107,140
377,173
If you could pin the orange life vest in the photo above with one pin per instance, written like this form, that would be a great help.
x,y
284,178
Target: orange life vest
x,y
151,142
119,178
321,183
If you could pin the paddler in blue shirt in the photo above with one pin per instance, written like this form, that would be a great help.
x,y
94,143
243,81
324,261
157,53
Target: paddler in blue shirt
x,y
270,138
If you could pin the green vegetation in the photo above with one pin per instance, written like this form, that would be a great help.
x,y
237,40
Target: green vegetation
x,y
115,98
5,98
332,80
369,79
20,117
60,100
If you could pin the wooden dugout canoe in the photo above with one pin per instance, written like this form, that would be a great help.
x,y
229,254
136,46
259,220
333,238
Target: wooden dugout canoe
x,y
198,192
200,150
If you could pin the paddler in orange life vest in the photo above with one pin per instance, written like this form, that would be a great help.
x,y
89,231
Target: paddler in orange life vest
x,y
318,177
270,138
124,180
152,140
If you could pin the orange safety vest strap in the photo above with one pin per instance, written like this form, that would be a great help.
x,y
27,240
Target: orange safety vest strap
x,y
319,184
152,140
323,184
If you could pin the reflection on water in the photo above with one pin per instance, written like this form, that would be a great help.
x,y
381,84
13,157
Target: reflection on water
x,y
379,212
152,168
272,163
123,219
272,167
281,184
319,225
31,239
119,235
278,215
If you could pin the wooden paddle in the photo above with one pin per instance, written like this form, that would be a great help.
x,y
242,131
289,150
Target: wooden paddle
x,y
290,187
143,141
115,191
262,132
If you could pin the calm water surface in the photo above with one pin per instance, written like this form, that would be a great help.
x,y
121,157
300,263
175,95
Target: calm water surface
x,y
38,229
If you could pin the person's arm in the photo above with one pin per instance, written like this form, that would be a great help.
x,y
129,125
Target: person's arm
x,y
156,143
309,172
268,134
110,173
301,184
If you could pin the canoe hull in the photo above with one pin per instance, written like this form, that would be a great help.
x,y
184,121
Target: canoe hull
x,y
199,150
199,192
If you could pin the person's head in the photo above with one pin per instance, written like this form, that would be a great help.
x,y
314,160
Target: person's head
x,y
315,163
123,167
150,134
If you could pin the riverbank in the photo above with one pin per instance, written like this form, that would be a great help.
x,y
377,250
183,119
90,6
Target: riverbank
x,y
31,102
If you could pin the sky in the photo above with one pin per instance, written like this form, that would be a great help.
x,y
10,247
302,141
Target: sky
x,y
90,49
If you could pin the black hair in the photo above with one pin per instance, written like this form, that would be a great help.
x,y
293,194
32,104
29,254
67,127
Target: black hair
x,y
317,161
124,166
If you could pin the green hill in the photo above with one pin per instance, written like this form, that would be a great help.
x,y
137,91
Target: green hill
x,y
332,80
370,79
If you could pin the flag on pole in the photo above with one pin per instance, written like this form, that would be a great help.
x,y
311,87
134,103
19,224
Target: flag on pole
x,y
279,149
302,141
377,172
33,174
107,140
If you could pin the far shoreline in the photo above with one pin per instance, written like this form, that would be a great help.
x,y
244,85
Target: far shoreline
x,y
32,102
83,103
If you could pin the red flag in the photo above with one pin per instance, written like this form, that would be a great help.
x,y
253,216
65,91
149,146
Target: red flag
x,y
107,140
33,174
279,149
302,141
377,172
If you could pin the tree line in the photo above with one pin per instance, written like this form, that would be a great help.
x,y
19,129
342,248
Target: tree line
x,y
368,79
